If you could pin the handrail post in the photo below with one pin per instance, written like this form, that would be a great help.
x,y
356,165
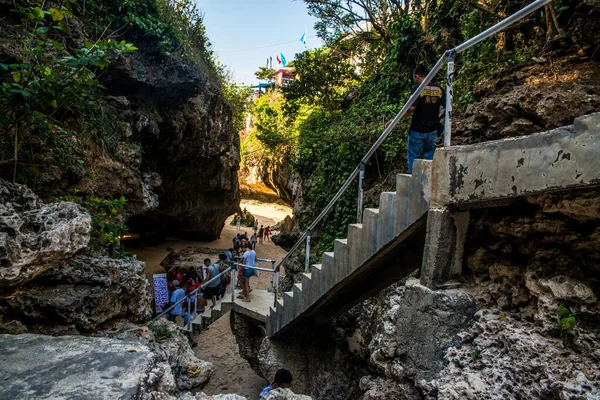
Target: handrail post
x,y
272,277
449,96
359,206
307,261
276,288
233,283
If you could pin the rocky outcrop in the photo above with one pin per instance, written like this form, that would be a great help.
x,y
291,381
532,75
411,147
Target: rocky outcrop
x,y
49,276
533,99
164,140
278,175
133,363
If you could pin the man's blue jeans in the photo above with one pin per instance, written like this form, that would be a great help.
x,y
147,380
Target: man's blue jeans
x,y
420,143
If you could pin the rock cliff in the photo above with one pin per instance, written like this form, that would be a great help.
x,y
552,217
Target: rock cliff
x,y
161,136
51,279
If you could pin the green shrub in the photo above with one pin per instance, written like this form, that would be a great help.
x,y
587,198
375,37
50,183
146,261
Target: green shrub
x,y
106,228
160,331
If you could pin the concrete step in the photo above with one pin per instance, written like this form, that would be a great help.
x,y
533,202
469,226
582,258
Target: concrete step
x,y
341,265
328,274
389,217
315,283
280,313
288,307
370,227
356,247
299,299
306,290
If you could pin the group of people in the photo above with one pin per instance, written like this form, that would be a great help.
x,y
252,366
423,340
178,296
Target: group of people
x,y
201,288
258,237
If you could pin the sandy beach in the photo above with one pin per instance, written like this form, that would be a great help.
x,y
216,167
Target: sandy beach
x,y
217,343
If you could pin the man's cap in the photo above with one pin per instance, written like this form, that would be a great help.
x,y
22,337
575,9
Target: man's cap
x,y
175,282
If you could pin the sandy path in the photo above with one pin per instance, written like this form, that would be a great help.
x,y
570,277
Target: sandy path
x,y
217,343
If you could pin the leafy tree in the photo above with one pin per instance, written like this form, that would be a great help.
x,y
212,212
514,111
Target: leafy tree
x,y
52,82
237,95
323,78
264,73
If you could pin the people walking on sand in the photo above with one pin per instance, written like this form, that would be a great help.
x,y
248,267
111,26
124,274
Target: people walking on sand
x,y
261,232
211,288
255,227
178,294
253,240
236,243
266,233
283,379
249,260
238,222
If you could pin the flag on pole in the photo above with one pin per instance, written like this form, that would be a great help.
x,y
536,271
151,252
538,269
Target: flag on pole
x,y
278,59
283,61
303,37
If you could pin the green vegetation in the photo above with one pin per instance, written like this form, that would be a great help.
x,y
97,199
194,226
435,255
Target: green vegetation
x,y
107,228
160,331
52,83
565,319
325,121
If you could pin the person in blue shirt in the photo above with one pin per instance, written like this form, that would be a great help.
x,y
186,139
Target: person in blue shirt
x,y
249,260
178,294
283,379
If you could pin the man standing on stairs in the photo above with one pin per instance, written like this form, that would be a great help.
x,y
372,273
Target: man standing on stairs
x,y
249,258
211,289
425,124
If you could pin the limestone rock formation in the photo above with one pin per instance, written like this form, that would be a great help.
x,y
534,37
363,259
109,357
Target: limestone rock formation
x,y
166,142
133,364
534,99
49,277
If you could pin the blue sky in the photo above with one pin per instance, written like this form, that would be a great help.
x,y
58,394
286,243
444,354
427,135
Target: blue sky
x,y
245,32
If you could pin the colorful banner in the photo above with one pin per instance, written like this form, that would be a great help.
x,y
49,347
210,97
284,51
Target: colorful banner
x,y
161,291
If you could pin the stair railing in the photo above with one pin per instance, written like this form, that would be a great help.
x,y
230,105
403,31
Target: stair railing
x,y
195,293
449,56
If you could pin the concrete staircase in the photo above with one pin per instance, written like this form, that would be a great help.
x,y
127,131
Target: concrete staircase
x,y
424,223
202,321
349,263
257,309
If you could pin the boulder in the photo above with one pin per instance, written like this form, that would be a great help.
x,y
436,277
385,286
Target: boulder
x,y
49,275
134,363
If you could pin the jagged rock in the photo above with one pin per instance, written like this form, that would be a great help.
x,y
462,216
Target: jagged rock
x,y
86,291
33,241
75,367
417,329
177,352
162,115
502,357
203,396
285,394
530,100
51,279
135,364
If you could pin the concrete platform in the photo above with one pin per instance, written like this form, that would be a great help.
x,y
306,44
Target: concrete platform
x,y
71,367
258,308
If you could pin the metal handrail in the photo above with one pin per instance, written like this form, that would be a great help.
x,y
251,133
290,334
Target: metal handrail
x,y
448,118
193,292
